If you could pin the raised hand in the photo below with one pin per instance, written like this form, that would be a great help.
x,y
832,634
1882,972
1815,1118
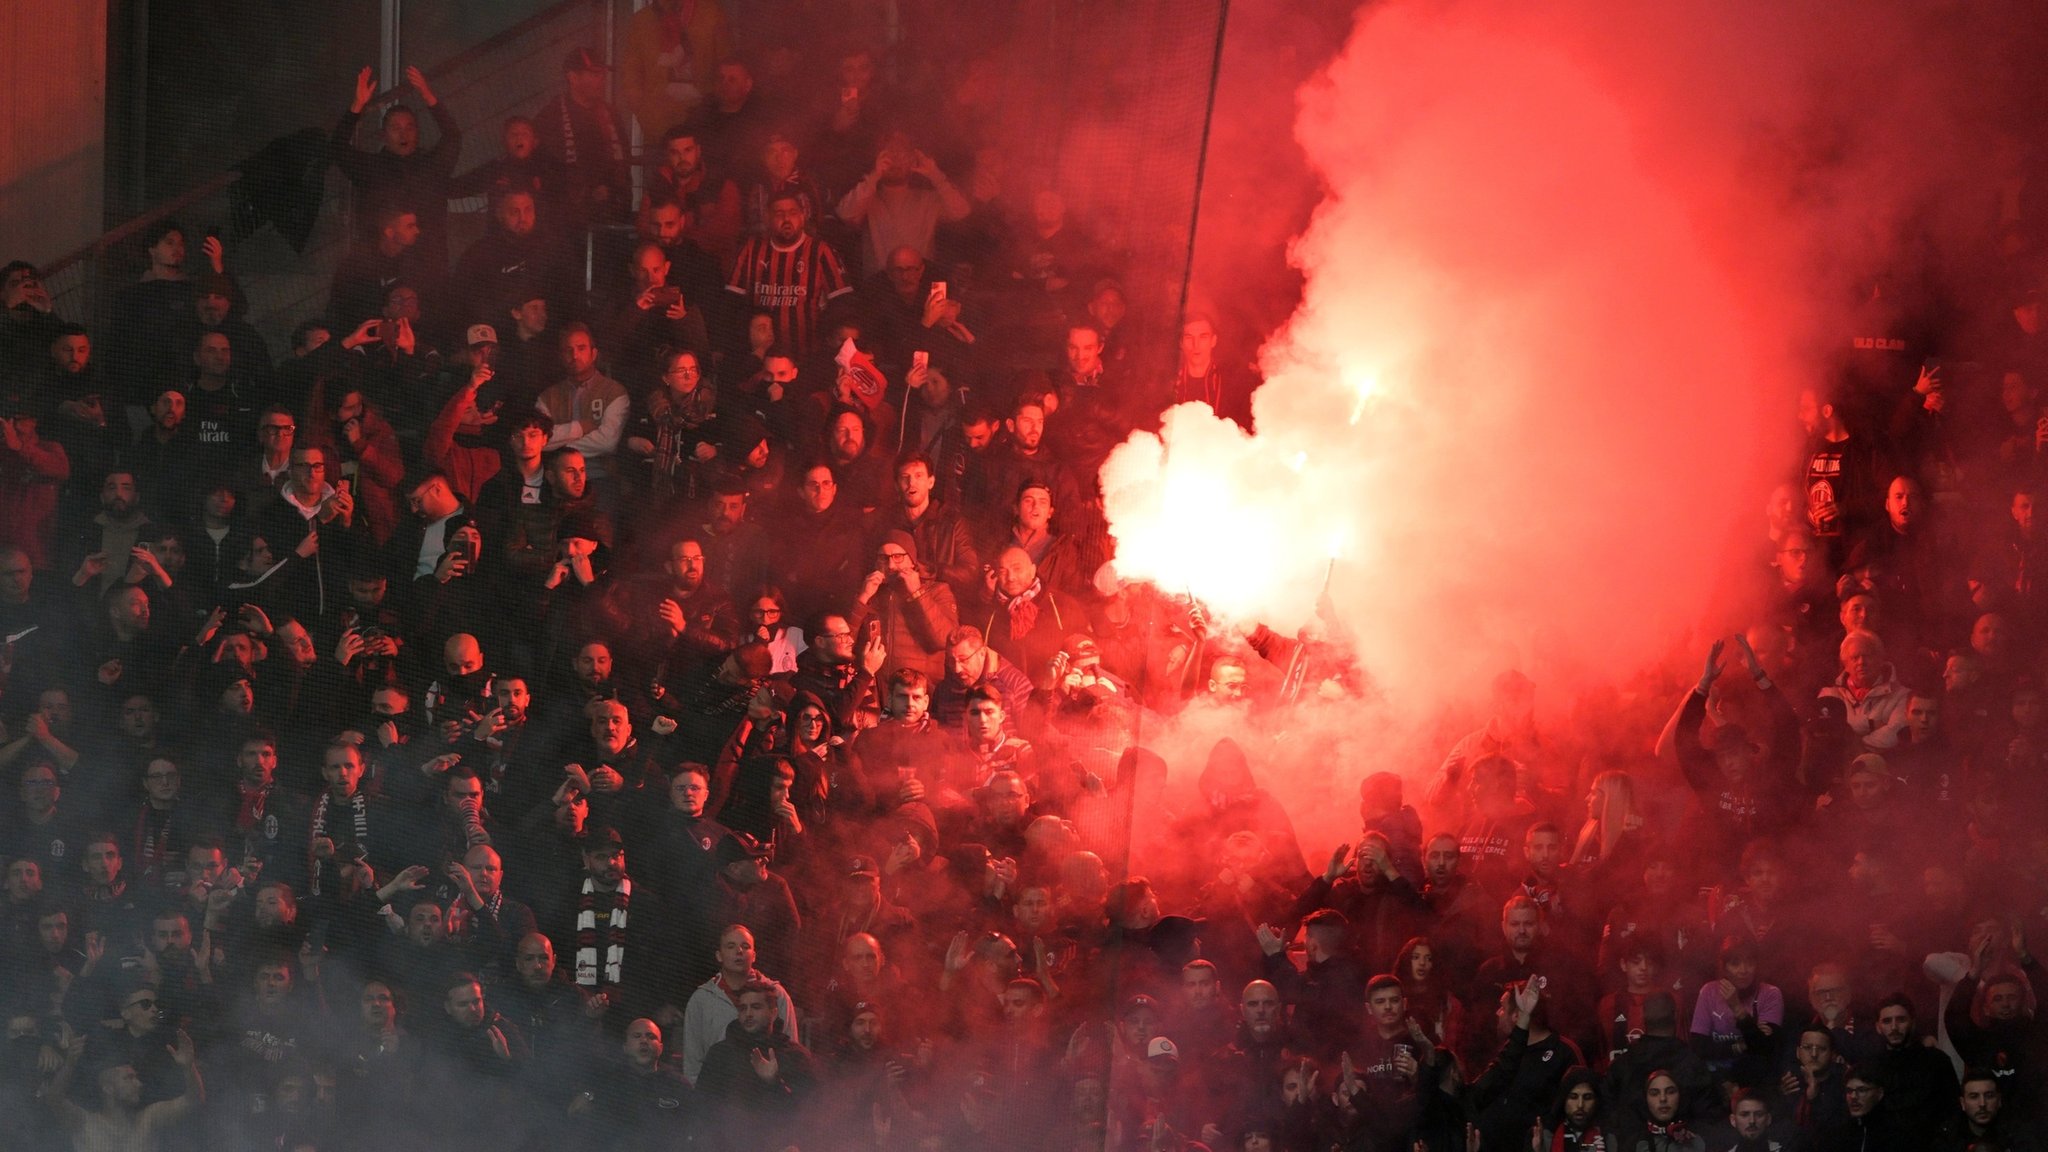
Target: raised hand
x,y
766,1065
576,776
1348,1084
368,332
366,89
253,619
673,616
418,80
150,567
1269,940
957,953
1712,671
1338,863
1757,671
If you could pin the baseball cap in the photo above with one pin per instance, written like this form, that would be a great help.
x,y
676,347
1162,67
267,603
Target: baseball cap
x,y
739,846
1161,1047
862,866
599,838
584,60
1140,1001
481,334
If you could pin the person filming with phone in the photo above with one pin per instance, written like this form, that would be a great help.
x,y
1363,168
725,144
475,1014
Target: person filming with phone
x,y
900,202
911,610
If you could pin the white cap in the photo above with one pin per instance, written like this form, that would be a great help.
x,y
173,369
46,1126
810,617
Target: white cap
x,y
482,334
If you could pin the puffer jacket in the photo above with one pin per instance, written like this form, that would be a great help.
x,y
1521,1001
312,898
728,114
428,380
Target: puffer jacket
x,y
1880,715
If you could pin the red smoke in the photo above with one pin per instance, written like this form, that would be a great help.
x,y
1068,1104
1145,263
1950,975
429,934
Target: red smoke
x,y
1523,394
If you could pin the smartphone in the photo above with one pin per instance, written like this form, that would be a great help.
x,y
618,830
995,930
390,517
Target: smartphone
x,y
938,290
920,359
463,546
668,295
874,631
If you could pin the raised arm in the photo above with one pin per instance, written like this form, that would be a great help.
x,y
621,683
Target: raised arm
x,y
164,1112
58,1094
342,148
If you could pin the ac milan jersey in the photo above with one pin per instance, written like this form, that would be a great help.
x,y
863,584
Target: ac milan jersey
x,y
792,284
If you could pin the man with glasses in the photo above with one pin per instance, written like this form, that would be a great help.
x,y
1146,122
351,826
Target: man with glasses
x,y
317,520
39,829
1871,1127
971,664
160,828
829,670
691,622
139,1042
912,608
1829,993
258,481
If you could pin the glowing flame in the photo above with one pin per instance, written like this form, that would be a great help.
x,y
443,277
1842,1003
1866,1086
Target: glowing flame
x,y
1193,508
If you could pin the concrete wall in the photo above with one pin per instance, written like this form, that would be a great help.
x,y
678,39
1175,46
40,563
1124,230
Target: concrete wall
x,y
53,88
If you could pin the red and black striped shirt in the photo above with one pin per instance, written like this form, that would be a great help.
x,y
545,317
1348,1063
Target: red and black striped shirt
x,y
793,284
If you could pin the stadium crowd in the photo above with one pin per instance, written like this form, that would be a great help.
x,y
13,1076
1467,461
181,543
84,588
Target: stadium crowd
x,y
691,710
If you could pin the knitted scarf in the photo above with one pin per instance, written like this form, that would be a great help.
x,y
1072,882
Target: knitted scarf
x,y
1566,1140
249,805
152,840
1024,612
587,974
359,828
1674,1133
609,145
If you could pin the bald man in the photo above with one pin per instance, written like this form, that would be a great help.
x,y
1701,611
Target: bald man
x,y
1022,618
495,923
560,1020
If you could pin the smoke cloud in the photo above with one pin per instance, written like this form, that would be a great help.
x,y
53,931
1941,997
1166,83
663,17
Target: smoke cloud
x,y
1570,266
